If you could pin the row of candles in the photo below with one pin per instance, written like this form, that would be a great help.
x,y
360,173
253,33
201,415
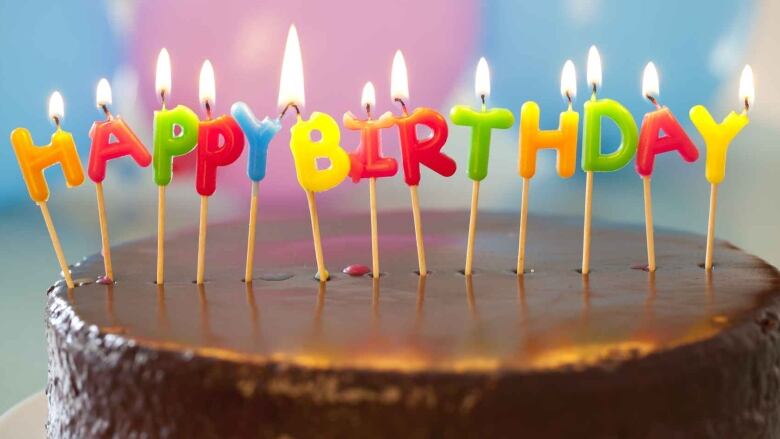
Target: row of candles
x,y
219,141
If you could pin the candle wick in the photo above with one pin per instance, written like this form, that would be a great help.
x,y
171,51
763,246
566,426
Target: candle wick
x,y
368,110
569,98
207,104
162,98
56,121
482,97
403,105
106,111
594,87
747,104
654,101
287,107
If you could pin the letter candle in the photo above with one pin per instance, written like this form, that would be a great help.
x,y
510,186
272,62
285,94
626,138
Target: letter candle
x,y
305,151
481,123
175,133
717,138
652,143
258,134
368,162
33,160
220,142
532,139
111,139
593,160
415,151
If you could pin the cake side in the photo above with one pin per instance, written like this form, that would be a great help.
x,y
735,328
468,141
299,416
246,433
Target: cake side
x,y
620,353
101,385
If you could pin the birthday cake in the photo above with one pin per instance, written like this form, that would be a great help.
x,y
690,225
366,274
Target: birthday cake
x,y
682,352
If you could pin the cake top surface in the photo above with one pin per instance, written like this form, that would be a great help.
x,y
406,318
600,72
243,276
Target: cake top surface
x,y
550,318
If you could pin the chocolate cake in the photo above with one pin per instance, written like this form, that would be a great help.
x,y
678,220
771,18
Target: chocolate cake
x,y
619,353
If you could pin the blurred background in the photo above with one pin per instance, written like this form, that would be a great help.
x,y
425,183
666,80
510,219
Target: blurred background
x,y
699,47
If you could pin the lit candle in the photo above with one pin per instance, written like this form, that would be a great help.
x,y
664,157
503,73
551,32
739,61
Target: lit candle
x,y
111,139
660,133
305,151
482,122
532,139
175,133
414,151
593,160
259,135
220,142
368,162
717,138
33,160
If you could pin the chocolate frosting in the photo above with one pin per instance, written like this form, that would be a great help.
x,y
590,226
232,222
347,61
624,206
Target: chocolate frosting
x,y
620,352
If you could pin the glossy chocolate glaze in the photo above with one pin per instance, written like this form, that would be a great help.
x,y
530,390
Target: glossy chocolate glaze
x,y
619,352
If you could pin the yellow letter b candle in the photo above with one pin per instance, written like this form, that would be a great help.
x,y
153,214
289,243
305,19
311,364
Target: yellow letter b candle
x,y
306,153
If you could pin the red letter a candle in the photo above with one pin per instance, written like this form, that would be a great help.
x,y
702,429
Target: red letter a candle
x,y
111,139
652,143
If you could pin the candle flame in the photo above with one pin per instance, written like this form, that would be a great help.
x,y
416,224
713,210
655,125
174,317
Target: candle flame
x,y
399,79
594,68
568,80
56,107
747,88
650,83
482,79
207,92
162,80
368,99
291,90
103,96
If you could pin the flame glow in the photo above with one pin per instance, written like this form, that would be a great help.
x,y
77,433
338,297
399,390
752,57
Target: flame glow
x,y
103,94
56,106
594,67
482,79
368,98
399,79
569,80
291,81
162,79
650,86
207,92
747,88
